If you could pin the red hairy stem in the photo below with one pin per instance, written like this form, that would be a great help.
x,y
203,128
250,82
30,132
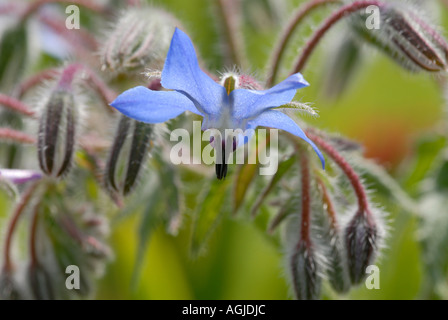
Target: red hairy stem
x,y
34,80
67,76
33,234
106,94
16,105
347,169
326,25
306,198
16,136
297,18
7,263
328,202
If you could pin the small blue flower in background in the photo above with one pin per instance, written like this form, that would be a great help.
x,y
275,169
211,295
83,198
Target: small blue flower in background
x,y
196,92
18,176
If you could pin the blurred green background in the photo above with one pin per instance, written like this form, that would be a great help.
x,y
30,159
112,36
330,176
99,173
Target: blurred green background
x,y
385,108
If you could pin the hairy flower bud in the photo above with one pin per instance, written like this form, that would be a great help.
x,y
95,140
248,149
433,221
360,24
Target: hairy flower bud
x,y
332,241
139,39
305,272
128,153
406,37
337,271
361,240
57,130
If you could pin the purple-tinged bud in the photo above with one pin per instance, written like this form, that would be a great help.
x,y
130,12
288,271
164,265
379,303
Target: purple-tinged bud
x,y
58,125
139,39
128,154
361,241
406,37
305,272
57,132
332,241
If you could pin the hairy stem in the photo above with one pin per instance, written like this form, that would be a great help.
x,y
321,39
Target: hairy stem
x,y
67,75
16,105
328,202
286,35
106,94
7,263
326,25
34,80
16,136
306,198
347,169
33,234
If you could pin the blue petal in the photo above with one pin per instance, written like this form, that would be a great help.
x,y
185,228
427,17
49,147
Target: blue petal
x,y
250,103
278,120
149,106
182,73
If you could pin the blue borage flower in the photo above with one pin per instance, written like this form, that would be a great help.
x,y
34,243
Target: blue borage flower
x,y
195,91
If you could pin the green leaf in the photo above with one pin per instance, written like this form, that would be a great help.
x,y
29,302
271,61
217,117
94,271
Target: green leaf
x,y
151,218
243,180
13,48
442,178
344,61
427,153
208,214
282,169
169,182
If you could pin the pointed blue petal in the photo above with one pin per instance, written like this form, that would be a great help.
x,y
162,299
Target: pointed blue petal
x,y
182,73
278,120
149,106
250,103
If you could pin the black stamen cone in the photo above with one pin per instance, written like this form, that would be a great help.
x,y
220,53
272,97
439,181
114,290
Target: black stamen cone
x,y
221,168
